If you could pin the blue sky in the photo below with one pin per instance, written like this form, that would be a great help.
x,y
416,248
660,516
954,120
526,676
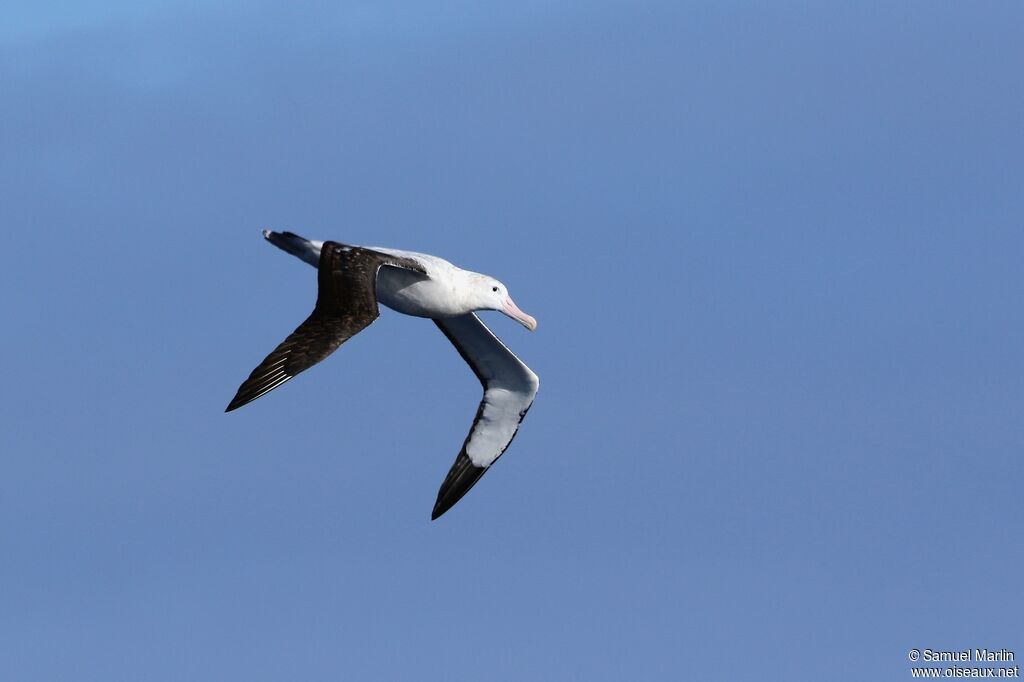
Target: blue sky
x,y
774,253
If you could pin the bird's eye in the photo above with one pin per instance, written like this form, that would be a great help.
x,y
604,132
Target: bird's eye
x,y
494,288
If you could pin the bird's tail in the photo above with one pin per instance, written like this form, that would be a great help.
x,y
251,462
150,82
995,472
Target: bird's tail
x,y
305,249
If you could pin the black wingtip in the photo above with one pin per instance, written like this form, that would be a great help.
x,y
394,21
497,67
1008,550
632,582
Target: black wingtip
x,y
246,394
441,507
444,504
235,403
461,477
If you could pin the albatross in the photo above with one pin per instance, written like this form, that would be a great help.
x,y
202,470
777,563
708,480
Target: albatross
x,y
352,280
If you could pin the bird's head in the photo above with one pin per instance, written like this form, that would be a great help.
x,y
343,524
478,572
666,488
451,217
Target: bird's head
x,y
490,294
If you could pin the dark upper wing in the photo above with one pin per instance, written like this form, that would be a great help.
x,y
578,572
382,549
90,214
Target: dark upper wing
x,y
509,389
346,304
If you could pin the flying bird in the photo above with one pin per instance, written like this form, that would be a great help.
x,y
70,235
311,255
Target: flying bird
x,y
352,280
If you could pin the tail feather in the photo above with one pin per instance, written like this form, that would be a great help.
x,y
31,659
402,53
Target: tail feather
x,y
305,249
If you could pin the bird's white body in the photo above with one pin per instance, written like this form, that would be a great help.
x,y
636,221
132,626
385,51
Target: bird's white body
x,y
438,294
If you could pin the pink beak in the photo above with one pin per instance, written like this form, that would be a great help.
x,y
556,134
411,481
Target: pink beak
x,y
513,311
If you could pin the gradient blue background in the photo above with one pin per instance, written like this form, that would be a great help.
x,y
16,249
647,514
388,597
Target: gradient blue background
x,y
775,255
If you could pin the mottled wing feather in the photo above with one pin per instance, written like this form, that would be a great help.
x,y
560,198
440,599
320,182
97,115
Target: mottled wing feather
x,y
509,389
346,304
